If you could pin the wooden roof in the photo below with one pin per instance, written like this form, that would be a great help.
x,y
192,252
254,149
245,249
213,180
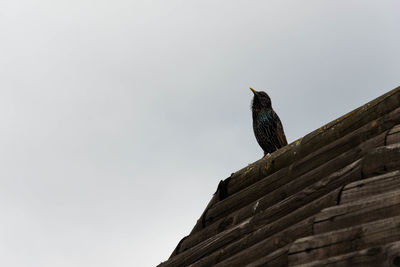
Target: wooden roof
x,y
331,198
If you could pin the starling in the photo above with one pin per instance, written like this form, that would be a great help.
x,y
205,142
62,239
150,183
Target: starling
x,y
266,124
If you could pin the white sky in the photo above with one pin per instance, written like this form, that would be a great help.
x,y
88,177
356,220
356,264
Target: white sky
x,y
119,118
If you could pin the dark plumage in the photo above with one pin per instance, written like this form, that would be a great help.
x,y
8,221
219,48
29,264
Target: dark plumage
x,y
266,124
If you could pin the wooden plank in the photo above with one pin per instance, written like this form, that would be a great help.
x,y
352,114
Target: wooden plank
x,y
219,209
247,196
391,156
292,186
289,187
273,213
372,186
278,258
206,247
393,136
385,255
266,205
279,240
382,160
268,237
254,230
342,241
364,210
363,138
325,185
299,149
280,212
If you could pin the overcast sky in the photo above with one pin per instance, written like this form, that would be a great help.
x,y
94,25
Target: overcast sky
x,y
119,118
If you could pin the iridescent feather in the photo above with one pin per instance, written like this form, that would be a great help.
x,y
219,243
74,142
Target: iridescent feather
x,y
267,126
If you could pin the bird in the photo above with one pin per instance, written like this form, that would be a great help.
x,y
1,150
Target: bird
x,y
267,126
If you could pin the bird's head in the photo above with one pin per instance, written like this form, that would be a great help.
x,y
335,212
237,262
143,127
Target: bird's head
x,y
261,100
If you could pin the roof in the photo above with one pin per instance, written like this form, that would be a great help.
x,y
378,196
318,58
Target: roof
x,y
331,198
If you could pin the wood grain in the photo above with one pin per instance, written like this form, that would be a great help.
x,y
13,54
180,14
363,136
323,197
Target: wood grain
x,y
384,255
346,240
364,210
372,186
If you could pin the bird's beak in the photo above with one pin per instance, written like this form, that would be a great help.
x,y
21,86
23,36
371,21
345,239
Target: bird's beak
x,y
254,91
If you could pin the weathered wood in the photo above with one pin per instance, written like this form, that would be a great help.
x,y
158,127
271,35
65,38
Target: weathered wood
x,y
385,255
279,240
302,147
362,211
268,237
346,143
325,185
393,136
254,230
206,247
241,253
372,186
284,181
292,187
318,138
342,241
247,196
274,212
312,161
292,161
382,159
289,188
220,208
278,258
